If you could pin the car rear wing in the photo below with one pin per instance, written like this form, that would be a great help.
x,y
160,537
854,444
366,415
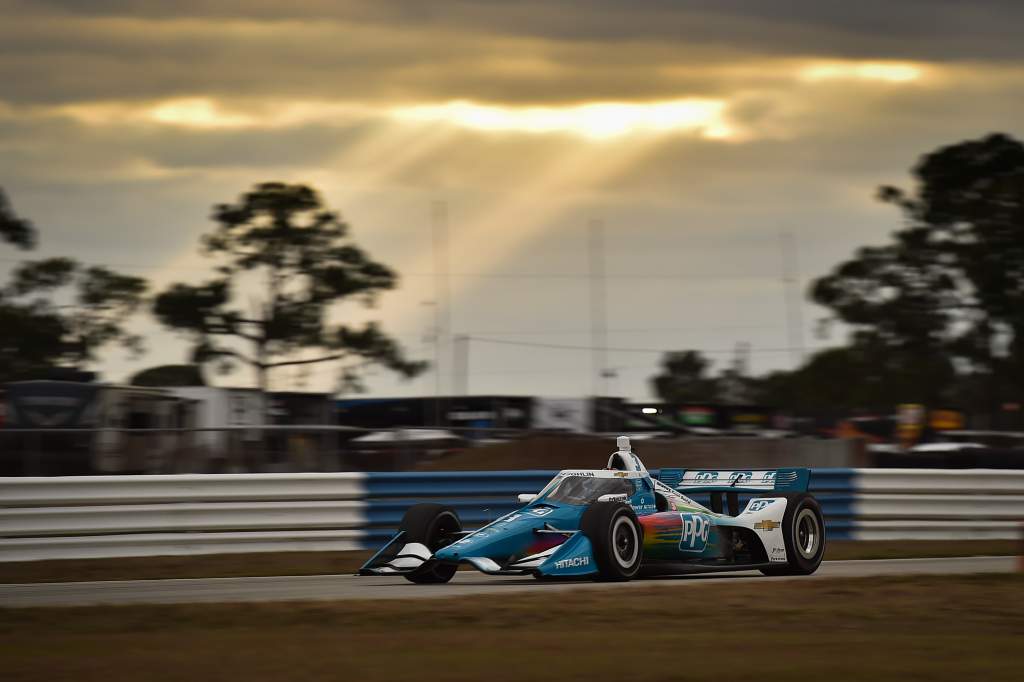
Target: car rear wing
x,y
729,484
737,481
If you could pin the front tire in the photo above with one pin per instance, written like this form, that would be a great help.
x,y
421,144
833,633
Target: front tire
x,y
617,538
803,528
435,526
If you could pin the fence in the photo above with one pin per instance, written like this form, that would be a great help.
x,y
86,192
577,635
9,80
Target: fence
x,y
228,449
327,448
113,516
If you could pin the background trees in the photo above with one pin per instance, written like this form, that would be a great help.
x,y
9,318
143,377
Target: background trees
x,y
15,230
57,312
93,303
950,286
295,259
936,316
685,378
169,375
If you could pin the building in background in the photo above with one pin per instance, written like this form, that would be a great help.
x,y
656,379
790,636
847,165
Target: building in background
x,y
79,427
462,413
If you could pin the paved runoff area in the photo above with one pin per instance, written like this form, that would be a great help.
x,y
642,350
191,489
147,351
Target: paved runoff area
x,y
348,587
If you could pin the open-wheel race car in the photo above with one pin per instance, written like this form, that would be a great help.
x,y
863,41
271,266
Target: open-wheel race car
x,y
619,522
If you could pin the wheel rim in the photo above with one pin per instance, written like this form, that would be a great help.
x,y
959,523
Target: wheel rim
x,y
625,541
442,534
808,534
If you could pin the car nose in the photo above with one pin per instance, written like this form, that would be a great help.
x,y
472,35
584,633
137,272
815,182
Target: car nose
x,y
447,554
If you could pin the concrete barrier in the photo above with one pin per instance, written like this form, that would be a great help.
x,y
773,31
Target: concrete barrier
x,y
42,491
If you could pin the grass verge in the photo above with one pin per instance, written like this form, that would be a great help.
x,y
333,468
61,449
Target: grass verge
x,y
931,627
320,563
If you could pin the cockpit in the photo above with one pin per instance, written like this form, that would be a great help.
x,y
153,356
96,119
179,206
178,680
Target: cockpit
x,y
585,489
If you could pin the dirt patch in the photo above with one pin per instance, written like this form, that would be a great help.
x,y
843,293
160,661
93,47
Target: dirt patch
x,y
197,566
913,549
932,627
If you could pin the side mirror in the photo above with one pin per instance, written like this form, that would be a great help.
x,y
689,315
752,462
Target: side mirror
x,y
526,498
613,497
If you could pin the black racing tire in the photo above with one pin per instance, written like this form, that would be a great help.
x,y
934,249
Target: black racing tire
x,y
617,538
435,526
803,532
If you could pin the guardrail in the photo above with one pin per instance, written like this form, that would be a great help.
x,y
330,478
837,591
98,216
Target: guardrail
x,y
112,516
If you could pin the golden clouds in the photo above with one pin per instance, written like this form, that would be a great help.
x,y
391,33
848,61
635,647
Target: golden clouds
x,y
886,72
209,113
786,85
593,120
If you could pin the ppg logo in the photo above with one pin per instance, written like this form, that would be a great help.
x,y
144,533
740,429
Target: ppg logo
x,y
769,477
740,476
706,475
758,505
694,537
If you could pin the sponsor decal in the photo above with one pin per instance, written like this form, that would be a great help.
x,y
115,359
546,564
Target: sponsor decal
x,y
769,477
644,506
758,505
541,511
740,477
586,474
778,554
483,532
621,474
574,562
767,524
706,476
694,537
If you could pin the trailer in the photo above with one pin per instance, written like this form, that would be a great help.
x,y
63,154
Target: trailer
x,y
79,428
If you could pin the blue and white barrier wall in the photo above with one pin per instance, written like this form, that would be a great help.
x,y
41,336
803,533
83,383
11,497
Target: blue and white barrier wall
x,y
112,516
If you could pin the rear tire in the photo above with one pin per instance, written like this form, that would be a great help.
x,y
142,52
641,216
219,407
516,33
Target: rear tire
x,y
617,538
803,531
435,526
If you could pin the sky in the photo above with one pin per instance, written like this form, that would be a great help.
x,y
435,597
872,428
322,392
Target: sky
x,y
696,132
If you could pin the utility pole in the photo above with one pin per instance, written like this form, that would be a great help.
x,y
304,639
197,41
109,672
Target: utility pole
x,y
460,364
793,299
598,312
442,313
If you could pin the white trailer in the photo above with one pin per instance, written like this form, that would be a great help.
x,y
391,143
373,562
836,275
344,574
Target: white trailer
x,y
217,408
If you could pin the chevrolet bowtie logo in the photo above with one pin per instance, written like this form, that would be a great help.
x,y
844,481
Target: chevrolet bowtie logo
x,y
767,524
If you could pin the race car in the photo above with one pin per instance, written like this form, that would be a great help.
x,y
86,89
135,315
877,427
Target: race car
x,y
620,522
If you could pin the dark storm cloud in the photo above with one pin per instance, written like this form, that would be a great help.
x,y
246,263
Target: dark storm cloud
x,y
43,60
921,29
529,51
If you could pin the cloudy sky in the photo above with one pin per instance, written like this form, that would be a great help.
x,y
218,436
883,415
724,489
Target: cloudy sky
x,y
697,131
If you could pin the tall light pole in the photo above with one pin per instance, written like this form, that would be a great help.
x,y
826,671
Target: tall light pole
x,y
460,364
598,312
794,303
442,312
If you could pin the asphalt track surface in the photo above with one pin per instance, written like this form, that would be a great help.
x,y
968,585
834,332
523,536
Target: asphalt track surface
x,y
349,587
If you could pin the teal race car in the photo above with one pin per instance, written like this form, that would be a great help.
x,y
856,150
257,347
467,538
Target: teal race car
x,y
620,522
